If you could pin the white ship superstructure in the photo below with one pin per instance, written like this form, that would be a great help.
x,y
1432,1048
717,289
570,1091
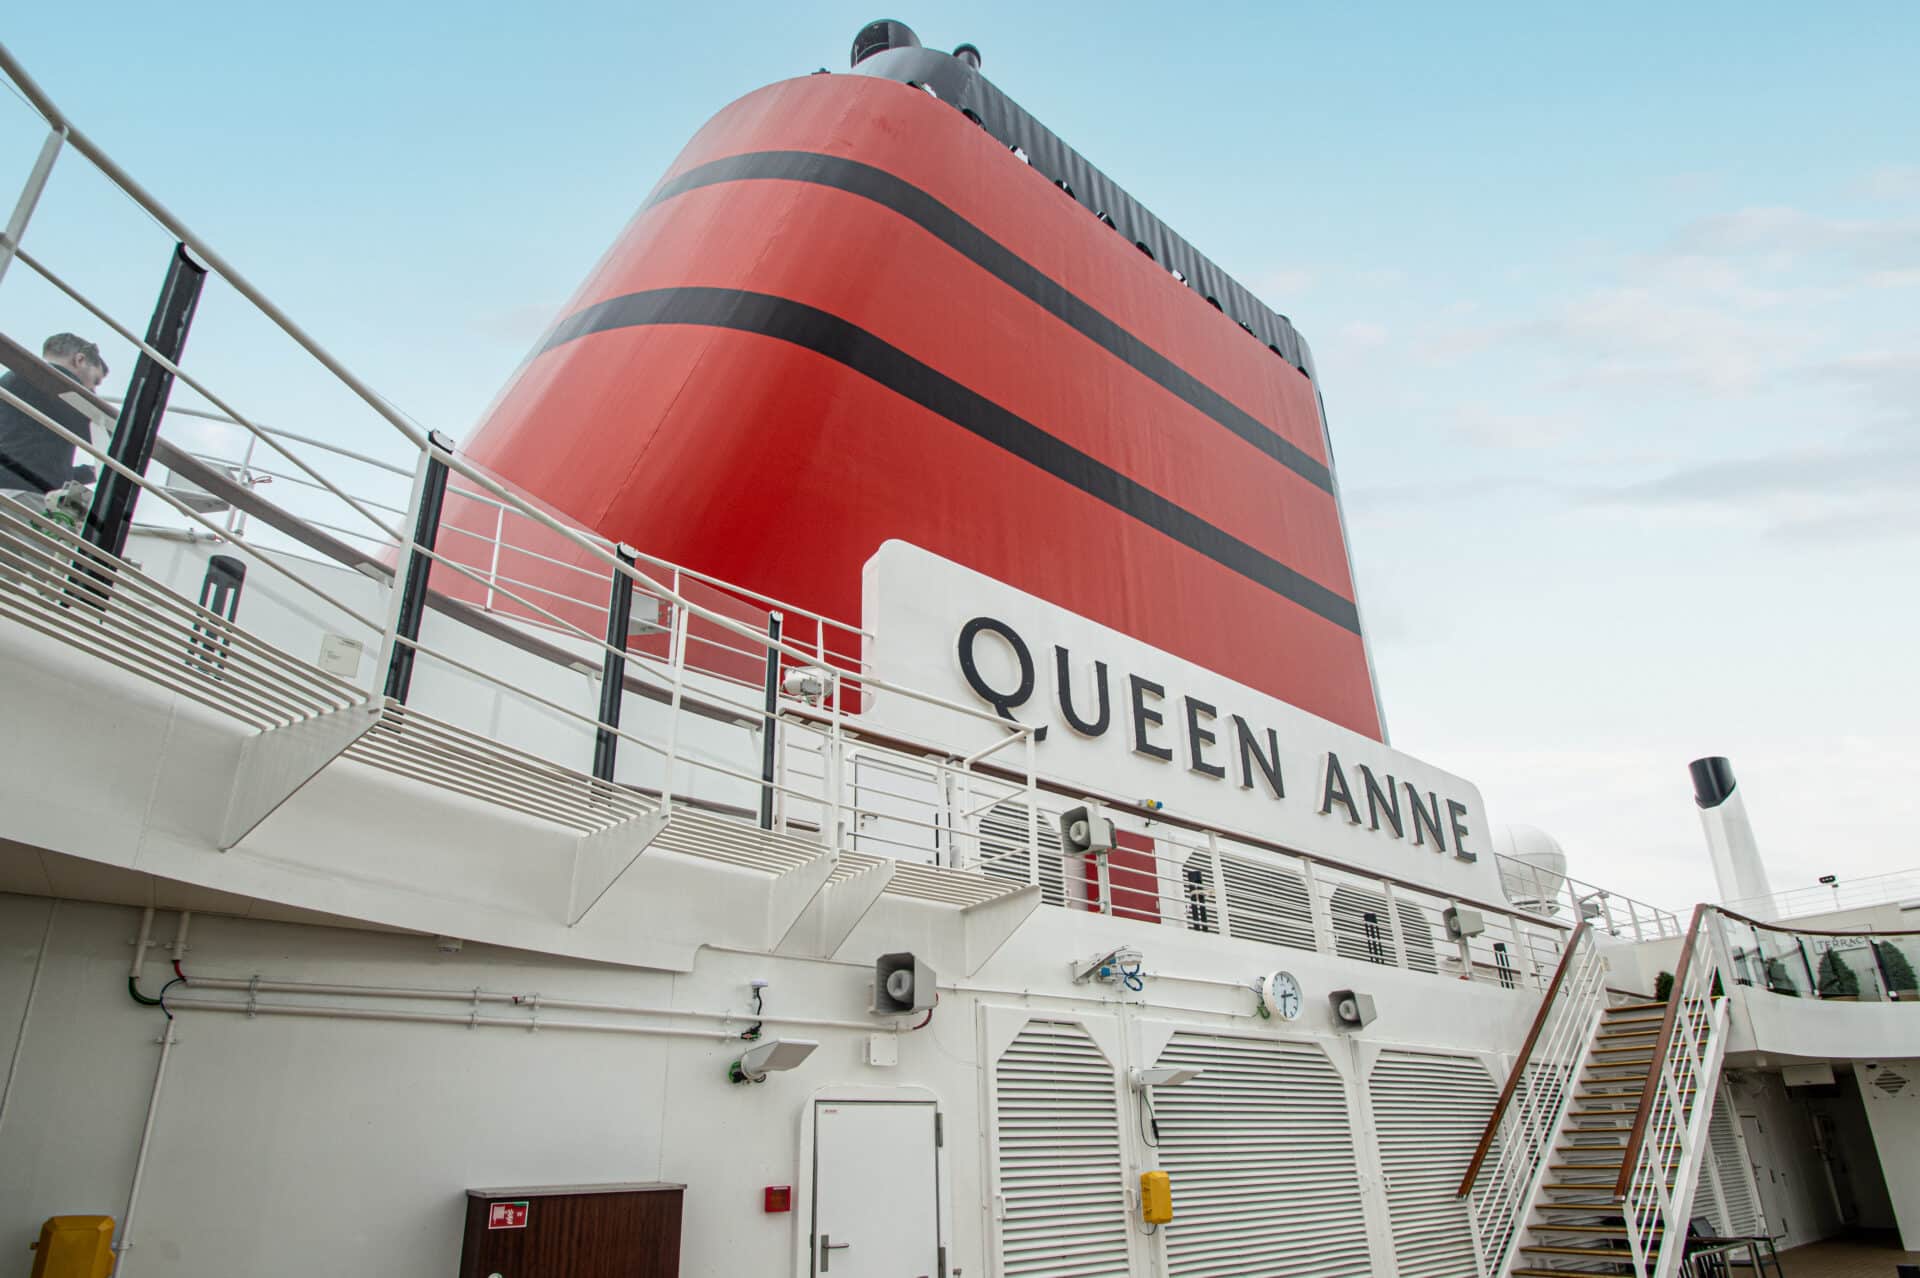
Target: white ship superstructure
x,y
374,836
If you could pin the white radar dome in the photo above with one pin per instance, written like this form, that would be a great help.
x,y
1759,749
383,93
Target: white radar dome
x,y
1535,868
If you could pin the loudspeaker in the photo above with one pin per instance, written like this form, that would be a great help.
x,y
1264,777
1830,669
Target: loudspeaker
x,y
1083,831
1351,1010
1462,922
902,983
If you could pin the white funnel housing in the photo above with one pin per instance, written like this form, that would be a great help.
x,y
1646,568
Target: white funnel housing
x,y
1736,856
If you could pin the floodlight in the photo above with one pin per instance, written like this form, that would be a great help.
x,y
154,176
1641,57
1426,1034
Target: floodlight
x,y
769,1057
1145,1078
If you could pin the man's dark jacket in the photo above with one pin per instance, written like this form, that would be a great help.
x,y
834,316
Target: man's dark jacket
x,y
31,456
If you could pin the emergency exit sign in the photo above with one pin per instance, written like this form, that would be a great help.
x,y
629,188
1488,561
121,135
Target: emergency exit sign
x,y
507,1215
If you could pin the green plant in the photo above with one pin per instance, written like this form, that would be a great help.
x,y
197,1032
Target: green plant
x,y
1835,978
1778,981
1663,987
1895,967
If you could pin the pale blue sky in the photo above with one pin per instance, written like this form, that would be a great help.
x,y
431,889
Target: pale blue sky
x,y
1614,311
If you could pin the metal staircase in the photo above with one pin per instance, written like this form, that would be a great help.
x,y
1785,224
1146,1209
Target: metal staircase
x,y
1615,1157
1575,1225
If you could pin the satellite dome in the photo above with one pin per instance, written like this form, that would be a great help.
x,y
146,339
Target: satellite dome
x,y
1527,846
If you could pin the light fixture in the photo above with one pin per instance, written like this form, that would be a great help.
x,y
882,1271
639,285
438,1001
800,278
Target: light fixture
x,y
1145,1078
770,1057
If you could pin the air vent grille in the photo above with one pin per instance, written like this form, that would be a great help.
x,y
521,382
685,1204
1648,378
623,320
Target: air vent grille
x,y
1428,1113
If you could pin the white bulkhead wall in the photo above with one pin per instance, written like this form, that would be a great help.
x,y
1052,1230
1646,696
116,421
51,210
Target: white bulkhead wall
x,y
317,1146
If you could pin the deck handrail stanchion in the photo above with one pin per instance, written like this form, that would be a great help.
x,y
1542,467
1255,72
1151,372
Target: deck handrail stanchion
x,y
613,662
770,722
110,517
677,663
410,583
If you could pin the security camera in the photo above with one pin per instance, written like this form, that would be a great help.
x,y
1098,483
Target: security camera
x,y
902,983
806,684
1351,1010
770,1057
1083,829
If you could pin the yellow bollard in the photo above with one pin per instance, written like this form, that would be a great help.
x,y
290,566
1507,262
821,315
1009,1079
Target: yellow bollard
x,y
74,1247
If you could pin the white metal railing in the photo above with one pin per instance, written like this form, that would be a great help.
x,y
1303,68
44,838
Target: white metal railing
x,y
1894,888
1553,894
1661,1164
1511,1162
702,652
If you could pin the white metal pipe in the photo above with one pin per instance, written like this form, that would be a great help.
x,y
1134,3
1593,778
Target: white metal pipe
x,y
533,1002
29,197
26,1011
125,1245
140,945
167,1040
256,1008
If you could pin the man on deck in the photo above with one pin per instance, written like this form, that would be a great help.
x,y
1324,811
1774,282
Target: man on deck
x,y
32,458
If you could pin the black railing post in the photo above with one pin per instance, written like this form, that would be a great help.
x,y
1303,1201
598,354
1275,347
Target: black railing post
x,y
768,726
415,564
613,666
111,514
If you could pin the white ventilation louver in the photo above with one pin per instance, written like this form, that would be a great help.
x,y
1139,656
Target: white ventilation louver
x,y
1733,1174
1428,1113
1061,1177
1003,849
1260,1149
1362,929
1267,903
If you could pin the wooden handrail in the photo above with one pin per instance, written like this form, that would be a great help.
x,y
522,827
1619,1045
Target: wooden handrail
x,y
1637,1134
1521,1062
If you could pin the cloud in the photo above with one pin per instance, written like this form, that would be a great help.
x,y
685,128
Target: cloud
x,y
1364,333
1784,236
1854,492
1490,429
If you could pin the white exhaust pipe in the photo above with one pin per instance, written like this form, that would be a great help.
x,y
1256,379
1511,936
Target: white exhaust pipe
x,y
1736,855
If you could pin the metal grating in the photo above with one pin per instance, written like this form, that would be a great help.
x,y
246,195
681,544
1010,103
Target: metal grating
x,y
1060,1173
1260,1150
1003,849
1428,1113
1267,903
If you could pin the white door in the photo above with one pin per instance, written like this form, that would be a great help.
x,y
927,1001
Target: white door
x,y
899,808
876,1190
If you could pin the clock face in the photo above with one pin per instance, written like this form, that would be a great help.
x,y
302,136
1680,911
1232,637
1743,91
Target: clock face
x,y
1286,996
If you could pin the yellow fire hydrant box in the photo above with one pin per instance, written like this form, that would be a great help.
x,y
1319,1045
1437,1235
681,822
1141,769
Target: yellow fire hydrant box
x,y
74,1247
1156,1198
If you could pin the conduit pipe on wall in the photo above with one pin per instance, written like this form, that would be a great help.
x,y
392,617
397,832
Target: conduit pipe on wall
x,y
167,1041
26,1012
535,1002
471,1020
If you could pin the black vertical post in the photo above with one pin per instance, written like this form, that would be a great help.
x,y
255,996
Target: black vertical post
x,y
111,514
414,567
613,666
768,742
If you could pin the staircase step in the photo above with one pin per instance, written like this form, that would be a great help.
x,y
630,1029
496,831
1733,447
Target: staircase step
x,y
1643,1049
1638,1018
1612,1167
1557,1273
1608,1253
1637,1007
1651,1031
1613,1231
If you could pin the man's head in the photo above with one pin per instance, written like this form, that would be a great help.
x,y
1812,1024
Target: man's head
x,y
78,356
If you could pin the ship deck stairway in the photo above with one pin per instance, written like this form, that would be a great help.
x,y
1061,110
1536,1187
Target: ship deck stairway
x,y
1591,1159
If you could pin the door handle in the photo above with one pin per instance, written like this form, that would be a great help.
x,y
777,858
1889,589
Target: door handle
x,y
826,1247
